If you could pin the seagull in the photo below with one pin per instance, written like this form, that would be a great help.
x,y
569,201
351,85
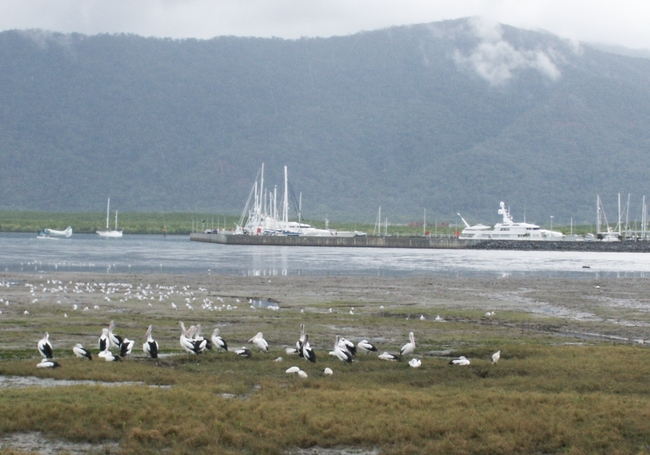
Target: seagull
x,y
218,341
150,347
81,352
104,342
415,363
366,346
48,363
243,352
174,306
387,356
343,354
409,347
259,341
292,370
496,356
328,372
302,374
460,361
422,318
439,319
44,347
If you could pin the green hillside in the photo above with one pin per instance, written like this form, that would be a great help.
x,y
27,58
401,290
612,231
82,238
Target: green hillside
x,y
448,117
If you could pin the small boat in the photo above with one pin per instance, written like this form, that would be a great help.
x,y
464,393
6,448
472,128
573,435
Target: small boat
x,y
110,233
53,233
508,230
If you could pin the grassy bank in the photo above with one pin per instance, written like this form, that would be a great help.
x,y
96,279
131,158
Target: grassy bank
x,y
556,389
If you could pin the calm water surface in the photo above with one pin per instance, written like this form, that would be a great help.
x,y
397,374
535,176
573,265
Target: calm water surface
x,y
176,254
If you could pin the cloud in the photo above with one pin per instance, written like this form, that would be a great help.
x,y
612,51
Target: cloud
x,y
496,60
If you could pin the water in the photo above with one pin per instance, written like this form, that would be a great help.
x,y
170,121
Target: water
x,y
176,254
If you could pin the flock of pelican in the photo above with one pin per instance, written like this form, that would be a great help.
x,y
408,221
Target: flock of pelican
x,y
193,343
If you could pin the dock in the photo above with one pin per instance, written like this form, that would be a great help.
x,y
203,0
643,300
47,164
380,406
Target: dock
x,y
426,242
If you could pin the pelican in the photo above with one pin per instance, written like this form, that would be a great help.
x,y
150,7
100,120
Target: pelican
x,y
302,374
496,356
349,346
116,340
343,354
150,347
81,352
387,356
259,341
328,372
300,341
109,357
307,352
186,342
218,341
409,347
44,347
366,346
48,363
292,370
243,352
415,363
203,342
104,342
126,347
460,361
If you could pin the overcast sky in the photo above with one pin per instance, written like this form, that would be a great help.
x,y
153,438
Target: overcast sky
x,y
622,22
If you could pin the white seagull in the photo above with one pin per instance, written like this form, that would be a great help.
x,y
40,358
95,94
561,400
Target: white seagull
x,y
44,347
150,347
496,356
81,352
259,342
409,347
328,372
415,363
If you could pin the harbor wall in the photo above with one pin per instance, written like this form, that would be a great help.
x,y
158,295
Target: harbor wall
x,y
449,242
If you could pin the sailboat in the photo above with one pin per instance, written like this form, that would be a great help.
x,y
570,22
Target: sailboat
x,y
110,233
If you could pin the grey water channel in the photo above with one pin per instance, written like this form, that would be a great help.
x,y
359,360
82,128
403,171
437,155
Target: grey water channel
x,y
177,255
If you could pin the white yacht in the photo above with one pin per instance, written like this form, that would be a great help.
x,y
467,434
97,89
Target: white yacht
x,y
508,230
110,233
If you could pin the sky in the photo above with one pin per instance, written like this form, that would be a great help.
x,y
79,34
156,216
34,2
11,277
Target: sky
x,y
620,22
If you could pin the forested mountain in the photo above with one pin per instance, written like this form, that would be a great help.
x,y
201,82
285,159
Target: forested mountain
x,y
449,117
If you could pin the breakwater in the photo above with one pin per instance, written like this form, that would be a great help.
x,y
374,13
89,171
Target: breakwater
x,y
447,242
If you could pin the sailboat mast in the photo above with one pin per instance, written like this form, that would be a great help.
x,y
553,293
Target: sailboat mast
x,y
116,220
108,208
285,201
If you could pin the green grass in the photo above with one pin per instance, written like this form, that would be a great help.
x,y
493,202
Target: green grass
x,y
548,394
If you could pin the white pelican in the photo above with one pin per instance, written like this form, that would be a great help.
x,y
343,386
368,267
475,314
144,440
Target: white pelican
x,y
328,372
126,347
81,352
199,341
415,363
409,347
116,340
386,356
460,361
150,347
496,356
349,346
259,342
307,352
366,346
301,340
104,342
292,351
186,342
109,357
243,352
44,347
218,341
342,354
48,363
292,370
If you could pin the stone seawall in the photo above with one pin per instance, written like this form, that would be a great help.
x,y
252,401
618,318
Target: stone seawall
x,y
421,242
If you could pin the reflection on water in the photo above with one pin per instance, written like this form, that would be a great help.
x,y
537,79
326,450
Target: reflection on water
x,y
176,254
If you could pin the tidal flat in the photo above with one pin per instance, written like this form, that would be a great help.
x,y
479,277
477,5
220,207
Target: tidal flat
x,y
572,377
